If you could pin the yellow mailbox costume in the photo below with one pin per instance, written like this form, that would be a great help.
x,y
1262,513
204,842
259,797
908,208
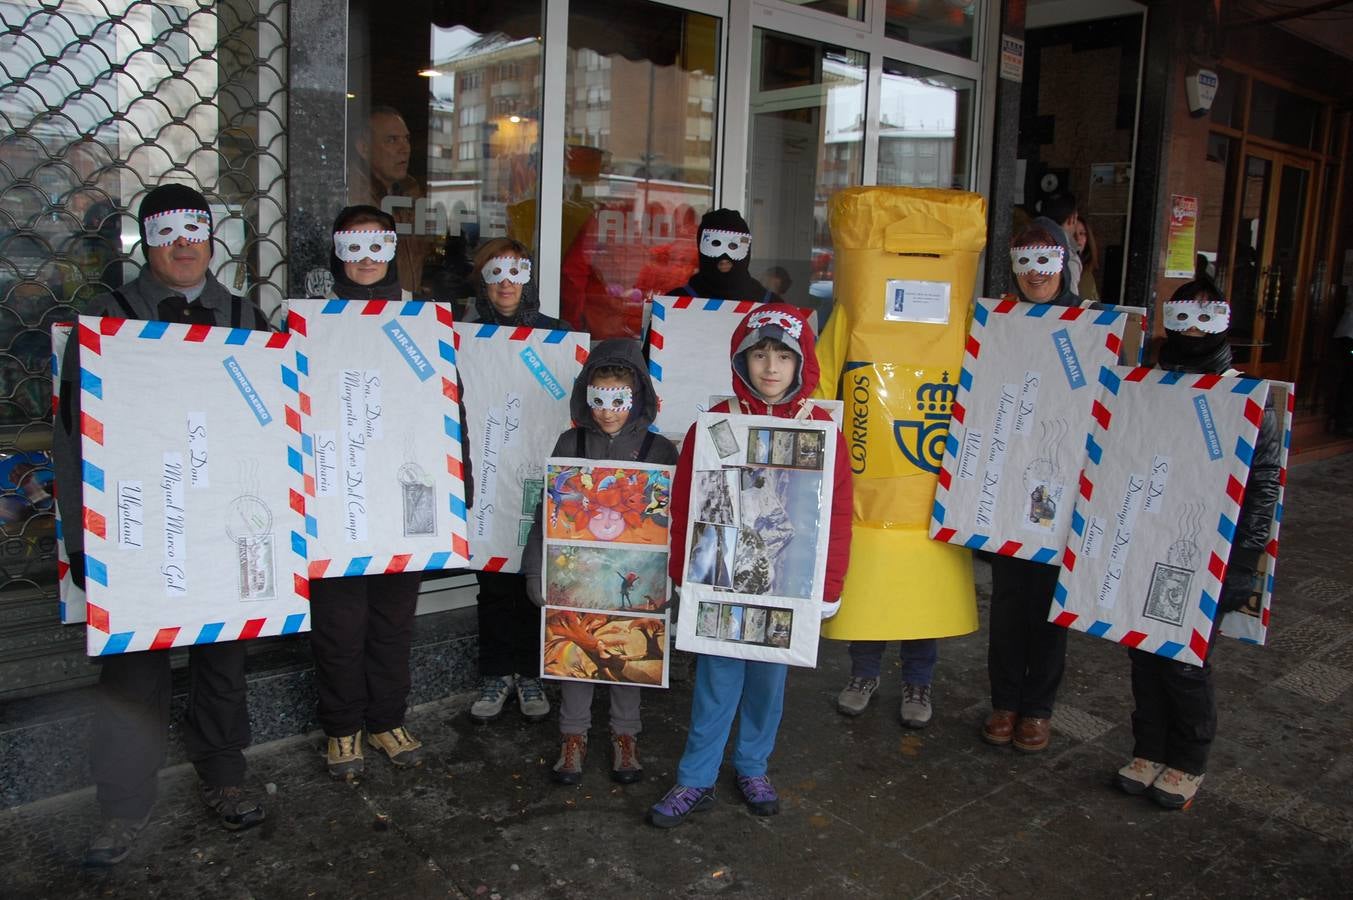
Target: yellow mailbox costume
x,y
906,264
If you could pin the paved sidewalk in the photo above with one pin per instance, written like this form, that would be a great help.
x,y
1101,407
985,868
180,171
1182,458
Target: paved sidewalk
x,y
870,809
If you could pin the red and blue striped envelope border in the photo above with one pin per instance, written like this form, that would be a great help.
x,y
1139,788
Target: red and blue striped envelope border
x,y
1205,426
70,597
1250,629
139,380
1008,340
412,345
492,363
682,333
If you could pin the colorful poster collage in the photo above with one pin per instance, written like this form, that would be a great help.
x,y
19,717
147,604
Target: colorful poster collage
x,y
756,543
605,567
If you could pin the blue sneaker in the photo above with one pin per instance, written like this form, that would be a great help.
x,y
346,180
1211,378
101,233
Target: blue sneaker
x,y
759,794
678,803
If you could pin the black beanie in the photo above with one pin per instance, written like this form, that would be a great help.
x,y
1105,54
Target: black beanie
x,y
167,197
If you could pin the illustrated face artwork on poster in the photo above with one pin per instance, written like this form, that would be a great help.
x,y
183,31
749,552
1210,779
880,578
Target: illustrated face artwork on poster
x,y
608,504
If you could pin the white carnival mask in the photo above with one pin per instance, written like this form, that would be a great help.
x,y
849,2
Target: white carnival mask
x,y
1043,259
162,229
610,399
355,246
1208,316
792,326
507,268
717,242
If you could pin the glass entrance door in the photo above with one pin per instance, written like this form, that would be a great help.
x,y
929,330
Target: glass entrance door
x,y
1269,274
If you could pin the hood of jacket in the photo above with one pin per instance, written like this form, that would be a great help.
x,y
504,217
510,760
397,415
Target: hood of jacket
x,y
616,352
1067,296
775,320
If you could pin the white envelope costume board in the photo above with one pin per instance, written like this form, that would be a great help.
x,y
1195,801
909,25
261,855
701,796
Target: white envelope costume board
x,y
756,542
1016,441
1157,508
1250,623
380,416
605,545
191,450
517,384
70,598
682,335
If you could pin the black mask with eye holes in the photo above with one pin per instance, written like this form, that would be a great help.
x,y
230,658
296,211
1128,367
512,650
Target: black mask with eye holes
x,y
737,283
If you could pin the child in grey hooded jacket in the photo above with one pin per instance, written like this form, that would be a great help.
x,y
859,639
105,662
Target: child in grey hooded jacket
x,y
613,404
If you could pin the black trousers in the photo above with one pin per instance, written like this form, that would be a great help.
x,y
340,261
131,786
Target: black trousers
x,y
509,626
1175,714
131,724
1026,654
361,633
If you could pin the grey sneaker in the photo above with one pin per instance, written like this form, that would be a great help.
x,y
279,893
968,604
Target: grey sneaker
x,y
916,709
531,698
114,841
493,693
855,698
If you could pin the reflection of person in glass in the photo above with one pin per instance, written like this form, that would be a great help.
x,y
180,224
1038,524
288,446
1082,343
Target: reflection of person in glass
x,y
725,261
379,176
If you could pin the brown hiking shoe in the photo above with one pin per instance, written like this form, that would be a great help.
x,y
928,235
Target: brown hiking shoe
x,y
1032,735
344,756
572,752
236,811
404,749
999,727
625,768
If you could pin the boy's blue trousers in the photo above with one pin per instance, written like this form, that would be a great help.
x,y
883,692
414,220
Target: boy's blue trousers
x,y
723,687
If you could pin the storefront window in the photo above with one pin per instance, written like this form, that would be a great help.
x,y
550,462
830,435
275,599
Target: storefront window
x,y
639,133
807,142
444,130
946,25
193,98
1228,104
925,122
851,9
1283,116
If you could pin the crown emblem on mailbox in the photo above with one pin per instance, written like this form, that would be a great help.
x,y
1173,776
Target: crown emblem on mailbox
x,y
921,440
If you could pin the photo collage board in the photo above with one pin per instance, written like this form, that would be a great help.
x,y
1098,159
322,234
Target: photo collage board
x,y
756,542
606,538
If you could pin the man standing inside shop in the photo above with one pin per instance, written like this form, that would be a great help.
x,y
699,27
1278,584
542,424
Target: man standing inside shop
x,y
378,175
131,715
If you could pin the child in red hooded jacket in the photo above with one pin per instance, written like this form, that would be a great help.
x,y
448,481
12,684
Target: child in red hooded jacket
x,y
774,372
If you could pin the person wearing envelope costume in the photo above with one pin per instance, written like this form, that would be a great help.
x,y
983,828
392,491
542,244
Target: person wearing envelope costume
x,y
1174,719
897,373
131,718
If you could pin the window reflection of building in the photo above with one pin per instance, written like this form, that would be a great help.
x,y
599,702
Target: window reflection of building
x,y
483,145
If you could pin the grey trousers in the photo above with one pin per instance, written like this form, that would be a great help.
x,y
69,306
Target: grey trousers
x,y
575,707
